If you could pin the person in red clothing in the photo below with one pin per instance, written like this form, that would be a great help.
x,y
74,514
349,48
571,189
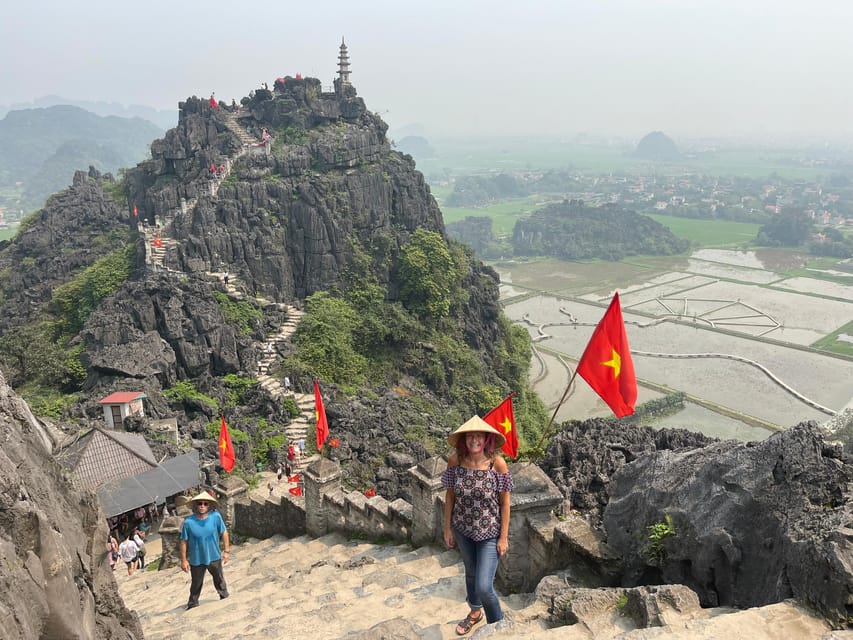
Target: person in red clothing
x,y
213,103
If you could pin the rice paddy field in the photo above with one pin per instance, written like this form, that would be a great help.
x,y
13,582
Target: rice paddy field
x,y
720,326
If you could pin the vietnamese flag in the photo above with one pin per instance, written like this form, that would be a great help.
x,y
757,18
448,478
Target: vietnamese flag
x,y
293,478
226,448
297,491
370,492
606,362
502,418
135,211
320,416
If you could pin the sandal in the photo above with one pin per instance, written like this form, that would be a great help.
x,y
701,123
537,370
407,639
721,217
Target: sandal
x,y
467,624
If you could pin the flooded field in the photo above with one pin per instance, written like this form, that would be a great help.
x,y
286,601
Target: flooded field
x,y
741,307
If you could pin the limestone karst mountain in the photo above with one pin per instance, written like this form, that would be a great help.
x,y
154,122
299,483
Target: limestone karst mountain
x,y
657,146
124,286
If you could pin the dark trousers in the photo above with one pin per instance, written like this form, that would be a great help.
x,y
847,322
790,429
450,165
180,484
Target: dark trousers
x,y
197,575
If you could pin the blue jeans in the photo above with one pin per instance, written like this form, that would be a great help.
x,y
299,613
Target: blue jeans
x,y
481,564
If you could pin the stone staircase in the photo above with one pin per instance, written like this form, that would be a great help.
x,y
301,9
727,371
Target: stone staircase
x,y
245,137
333,587
271,350
155,252
305,588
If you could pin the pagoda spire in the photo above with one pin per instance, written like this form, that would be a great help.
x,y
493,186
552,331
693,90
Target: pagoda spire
x,y
343,65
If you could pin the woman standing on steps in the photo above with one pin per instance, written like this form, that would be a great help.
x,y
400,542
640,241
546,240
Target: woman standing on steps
x,y
476,514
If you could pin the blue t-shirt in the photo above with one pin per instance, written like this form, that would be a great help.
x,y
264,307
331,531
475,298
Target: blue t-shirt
x,y
203,537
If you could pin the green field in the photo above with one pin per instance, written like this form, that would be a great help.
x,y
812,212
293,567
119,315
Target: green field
x,y
6,234
710,233
503,214
466,156
833,344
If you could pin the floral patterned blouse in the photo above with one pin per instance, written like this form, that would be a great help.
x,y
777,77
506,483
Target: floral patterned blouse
x,y
476,512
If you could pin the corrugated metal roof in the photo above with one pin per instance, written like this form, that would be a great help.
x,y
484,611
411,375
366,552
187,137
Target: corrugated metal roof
x,y
169,478
122,397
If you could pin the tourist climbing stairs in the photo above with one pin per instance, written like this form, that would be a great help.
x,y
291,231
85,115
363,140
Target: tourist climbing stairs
x,y
158,243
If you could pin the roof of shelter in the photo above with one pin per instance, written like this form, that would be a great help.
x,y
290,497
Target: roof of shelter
x,y
122,397
153,486
102,455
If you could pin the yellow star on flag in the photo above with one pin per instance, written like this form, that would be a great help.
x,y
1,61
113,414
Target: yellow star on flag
x,y
506,424
615,362
222,444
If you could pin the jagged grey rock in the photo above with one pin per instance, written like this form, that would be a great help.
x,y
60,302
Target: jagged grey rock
x,y
753,523
56,581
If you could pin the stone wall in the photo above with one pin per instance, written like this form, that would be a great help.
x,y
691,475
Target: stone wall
x,y
258,518
536,546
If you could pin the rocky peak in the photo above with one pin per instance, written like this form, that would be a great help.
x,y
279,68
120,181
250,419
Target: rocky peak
x,y
289,218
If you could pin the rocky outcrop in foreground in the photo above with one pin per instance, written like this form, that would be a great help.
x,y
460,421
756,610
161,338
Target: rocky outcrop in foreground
x,y
749,523
55,581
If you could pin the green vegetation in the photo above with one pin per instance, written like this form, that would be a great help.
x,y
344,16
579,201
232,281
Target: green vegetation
x,y
184,392
325,339
241,313
290,407
710,233
833,344
351,336
237,387
659,533
117,189
43,371
427,273
44,401
73,301
504,214
670,404
573,231
7,234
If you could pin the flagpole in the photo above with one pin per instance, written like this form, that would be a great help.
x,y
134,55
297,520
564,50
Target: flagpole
x,y
559,404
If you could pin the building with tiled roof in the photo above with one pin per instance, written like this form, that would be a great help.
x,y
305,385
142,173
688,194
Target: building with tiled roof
x,y
102,455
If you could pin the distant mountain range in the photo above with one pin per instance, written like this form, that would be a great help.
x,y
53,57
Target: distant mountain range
x,y
163,119
42,148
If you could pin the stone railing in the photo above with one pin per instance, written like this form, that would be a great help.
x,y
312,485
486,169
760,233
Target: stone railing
x,y
536,544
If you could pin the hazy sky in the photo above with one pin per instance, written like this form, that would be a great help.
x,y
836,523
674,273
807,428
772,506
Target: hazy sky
x,y
625,67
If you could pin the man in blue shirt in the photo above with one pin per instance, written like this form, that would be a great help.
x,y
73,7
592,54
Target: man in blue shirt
x,y
200,535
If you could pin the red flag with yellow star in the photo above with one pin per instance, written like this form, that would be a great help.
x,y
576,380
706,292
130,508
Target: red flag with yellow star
x,y
606,362
502,418
226,448
320,416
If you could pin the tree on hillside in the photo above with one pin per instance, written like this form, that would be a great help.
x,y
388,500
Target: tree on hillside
x,y
427,274
786,229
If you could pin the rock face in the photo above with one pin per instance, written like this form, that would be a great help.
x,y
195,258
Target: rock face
x,y
71,232
287,223
56,582
582,459
752,523
164,329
